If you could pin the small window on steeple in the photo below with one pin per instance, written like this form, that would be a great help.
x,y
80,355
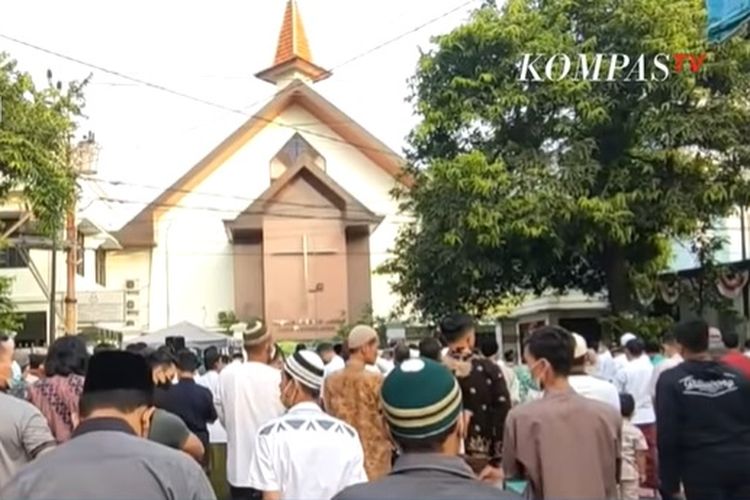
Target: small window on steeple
x,y
297,150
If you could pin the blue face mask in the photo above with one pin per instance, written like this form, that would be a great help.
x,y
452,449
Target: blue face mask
x,y
16,385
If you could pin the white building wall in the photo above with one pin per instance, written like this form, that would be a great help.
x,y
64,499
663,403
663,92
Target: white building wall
x,y
28,294
191,277
123,266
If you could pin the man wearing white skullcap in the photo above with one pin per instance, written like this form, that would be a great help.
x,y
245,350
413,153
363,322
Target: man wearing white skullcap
x,y
305,453
621,360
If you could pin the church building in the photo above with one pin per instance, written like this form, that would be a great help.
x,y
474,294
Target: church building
x,y
300,218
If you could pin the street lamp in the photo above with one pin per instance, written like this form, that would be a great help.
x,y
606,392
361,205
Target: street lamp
x,y
82,160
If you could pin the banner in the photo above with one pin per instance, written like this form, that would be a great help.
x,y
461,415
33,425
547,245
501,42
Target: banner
x,y
731,284
726,17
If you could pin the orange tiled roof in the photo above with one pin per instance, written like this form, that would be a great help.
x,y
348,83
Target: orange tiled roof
x,y
292,39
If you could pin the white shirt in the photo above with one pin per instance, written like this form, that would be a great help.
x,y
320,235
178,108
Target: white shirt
x,y
597,389
210,380
307,454
250,398
665,365
336,364
605,366
620,361
384,366
635,379
511,381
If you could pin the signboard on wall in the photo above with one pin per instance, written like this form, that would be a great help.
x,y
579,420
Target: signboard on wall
x,y
101,307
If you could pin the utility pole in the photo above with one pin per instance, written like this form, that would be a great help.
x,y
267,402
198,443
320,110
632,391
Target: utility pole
x,y
81,159
53,293
71,301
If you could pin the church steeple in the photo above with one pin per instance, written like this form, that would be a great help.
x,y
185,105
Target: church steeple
x,y
293,58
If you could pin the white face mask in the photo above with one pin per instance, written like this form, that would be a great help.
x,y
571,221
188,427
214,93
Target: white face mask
x,y
538,384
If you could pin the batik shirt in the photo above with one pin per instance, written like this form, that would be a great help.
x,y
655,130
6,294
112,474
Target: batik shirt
x,y
485,395
57,398
353,395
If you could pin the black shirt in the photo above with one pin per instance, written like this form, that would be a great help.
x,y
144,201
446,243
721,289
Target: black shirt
x,y
485,394
193,403
702,415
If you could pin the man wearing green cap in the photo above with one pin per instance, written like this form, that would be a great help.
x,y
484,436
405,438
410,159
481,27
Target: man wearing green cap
x,y
422,404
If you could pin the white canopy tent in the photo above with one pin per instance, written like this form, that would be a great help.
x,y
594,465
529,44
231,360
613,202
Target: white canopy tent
x,y
195,337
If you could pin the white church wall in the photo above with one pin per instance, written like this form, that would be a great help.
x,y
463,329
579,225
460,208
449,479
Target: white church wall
x,y
192,270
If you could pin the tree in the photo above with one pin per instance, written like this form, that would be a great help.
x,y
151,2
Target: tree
x,y
36,126
570,184
10,320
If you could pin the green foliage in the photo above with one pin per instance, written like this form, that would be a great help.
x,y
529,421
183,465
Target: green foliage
x,y
10,320
700,290
647,327
572,184
35,129
226,320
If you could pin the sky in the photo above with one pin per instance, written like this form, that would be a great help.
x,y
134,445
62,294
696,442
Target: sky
x,y
211,50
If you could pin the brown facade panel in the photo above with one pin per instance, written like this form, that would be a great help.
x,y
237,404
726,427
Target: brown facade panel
x,y
305,276
358,272
248,280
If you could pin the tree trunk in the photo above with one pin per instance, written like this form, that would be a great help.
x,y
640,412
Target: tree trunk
x,y
619,288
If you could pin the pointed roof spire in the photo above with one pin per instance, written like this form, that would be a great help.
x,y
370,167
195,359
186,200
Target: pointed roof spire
x,y
292,39
293,57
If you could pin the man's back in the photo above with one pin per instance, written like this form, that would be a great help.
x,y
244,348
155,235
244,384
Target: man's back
x,y
250,397
635,379
703,432
430,476
542,436
353,395
210,380
24,434
595,388
194,404
307,454
708,407
112,465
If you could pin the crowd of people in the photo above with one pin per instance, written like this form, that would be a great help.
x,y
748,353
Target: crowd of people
x,y
450,418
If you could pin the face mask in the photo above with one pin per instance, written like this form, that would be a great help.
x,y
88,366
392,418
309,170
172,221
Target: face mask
x,y
537,383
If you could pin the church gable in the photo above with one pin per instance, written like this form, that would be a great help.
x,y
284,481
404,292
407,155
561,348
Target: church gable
x,y
307,193
297,150
139,231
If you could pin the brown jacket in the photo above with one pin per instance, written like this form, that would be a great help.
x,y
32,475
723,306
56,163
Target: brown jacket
x,y
353,395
